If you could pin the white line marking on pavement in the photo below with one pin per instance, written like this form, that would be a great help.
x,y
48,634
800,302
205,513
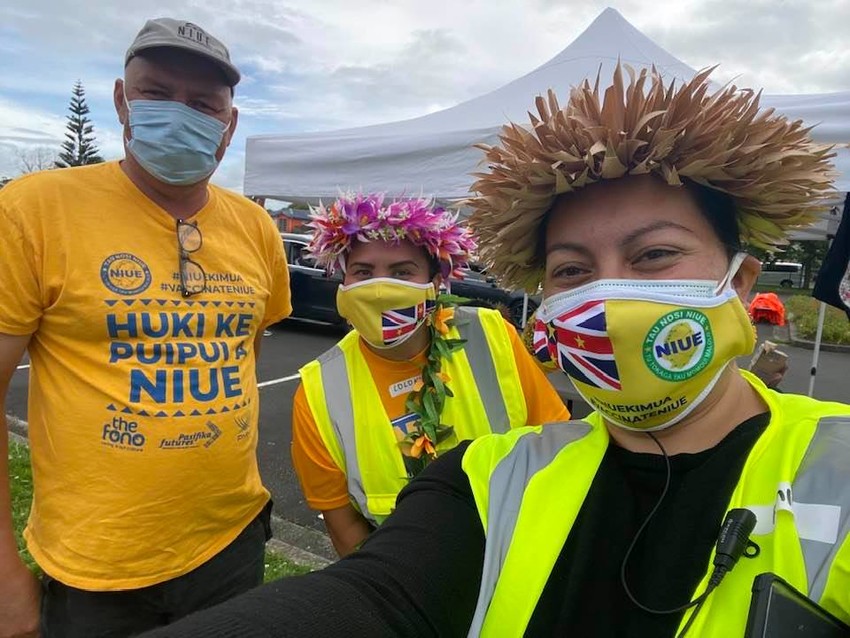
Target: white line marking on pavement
x,y
23,367
291,377
315,322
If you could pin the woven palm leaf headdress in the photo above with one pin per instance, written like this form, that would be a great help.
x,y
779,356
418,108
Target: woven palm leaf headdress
x,y
777,176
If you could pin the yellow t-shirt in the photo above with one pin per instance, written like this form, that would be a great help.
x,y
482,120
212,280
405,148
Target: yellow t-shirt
x,y
324,483
143,405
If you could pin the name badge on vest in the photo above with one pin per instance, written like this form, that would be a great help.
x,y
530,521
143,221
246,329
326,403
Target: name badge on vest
x,y
403,387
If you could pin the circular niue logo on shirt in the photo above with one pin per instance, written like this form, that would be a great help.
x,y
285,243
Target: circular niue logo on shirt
x,y
125,274
679,345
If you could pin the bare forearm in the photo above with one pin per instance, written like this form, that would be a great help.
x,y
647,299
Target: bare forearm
x,y
352,538
347,529
20,592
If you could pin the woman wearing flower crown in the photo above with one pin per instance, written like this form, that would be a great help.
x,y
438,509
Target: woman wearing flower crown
x,y
654,515
416,376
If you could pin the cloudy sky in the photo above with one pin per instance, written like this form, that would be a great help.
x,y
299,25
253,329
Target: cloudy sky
x,y
323,64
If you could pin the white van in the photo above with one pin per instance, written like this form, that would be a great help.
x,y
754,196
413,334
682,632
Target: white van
x,y
787,274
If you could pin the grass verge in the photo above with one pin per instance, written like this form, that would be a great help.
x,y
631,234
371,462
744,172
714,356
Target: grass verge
x,y
803,312
21,482
279,567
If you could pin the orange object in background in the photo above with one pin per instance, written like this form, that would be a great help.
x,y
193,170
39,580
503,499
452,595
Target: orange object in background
x,y
766,306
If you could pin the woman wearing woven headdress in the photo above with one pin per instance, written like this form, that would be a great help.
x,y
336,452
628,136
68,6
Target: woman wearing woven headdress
x,y
416,375
631,209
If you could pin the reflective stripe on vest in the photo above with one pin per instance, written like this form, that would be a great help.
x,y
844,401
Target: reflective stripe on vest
x,y
531,454
341,411
484,371
822,482
338,392
820,485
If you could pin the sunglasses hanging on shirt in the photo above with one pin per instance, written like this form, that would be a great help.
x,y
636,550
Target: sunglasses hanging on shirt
x,y
193,279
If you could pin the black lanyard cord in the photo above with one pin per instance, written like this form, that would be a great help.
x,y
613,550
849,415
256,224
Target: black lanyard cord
x,y
732,540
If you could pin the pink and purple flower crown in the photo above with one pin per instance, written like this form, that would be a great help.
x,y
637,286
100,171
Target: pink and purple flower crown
x,y
359,217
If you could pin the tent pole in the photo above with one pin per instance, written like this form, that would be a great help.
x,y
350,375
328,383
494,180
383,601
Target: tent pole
x,y
816,354
524,310
819,334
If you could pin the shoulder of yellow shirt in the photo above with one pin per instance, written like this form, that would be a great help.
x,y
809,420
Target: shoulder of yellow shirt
x,y
53,178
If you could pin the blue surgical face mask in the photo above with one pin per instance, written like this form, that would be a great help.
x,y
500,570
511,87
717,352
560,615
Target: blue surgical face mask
x,y
174,143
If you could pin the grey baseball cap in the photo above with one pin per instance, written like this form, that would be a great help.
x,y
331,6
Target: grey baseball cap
x,y
179,34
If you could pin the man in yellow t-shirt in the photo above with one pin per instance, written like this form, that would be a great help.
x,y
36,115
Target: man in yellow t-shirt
x,y
139,290
358,435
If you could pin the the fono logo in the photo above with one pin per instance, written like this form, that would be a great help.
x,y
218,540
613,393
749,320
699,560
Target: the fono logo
x,y
679,345
125,274
123,434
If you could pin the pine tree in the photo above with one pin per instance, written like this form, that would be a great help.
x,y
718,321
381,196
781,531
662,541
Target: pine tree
x,y
79,147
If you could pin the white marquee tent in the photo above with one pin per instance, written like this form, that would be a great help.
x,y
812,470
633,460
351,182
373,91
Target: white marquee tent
x,y
434,153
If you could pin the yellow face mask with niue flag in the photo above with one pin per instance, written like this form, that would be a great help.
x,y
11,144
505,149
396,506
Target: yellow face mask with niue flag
x,y
644,353
386,312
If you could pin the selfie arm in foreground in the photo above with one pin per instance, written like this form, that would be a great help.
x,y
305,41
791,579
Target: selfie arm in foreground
x,y
411,578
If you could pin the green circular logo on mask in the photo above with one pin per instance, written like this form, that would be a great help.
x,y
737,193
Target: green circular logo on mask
x,y
679,346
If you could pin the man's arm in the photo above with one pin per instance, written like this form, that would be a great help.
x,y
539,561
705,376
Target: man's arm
x,y
322,481
20,592
258,340
347,529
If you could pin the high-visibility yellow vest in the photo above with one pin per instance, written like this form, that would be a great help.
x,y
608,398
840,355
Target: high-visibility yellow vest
x,y
357,432
796,480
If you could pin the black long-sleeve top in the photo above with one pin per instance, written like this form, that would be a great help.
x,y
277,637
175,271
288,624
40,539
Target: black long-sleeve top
x,y
419,574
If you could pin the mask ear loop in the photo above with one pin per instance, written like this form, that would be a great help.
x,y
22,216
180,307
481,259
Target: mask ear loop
x,y
734,267
127,107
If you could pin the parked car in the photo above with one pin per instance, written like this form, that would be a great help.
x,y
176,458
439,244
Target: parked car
x,y
313,290
782,273
478,285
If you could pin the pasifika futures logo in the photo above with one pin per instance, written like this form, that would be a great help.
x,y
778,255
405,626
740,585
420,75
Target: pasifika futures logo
x,y
125,274
679,345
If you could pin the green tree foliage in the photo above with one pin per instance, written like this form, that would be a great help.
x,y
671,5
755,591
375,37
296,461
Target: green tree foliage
x,y
79,147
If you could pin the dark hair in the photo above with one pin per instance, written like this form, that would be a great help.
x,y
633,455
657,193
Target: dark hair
x,y
539,259
433,264
718,209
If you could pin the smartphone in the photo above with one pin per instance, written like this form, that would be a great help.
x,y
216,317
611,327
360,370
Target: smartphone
x,y
777,610
768,359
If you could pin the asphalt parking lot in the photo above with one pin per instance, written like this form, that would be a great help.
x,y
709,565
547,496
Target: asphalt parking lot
x,y
292,343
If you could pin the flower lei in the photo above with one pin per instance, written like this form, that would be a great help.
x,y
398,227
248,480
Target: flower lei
x,y
359,217
428,396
